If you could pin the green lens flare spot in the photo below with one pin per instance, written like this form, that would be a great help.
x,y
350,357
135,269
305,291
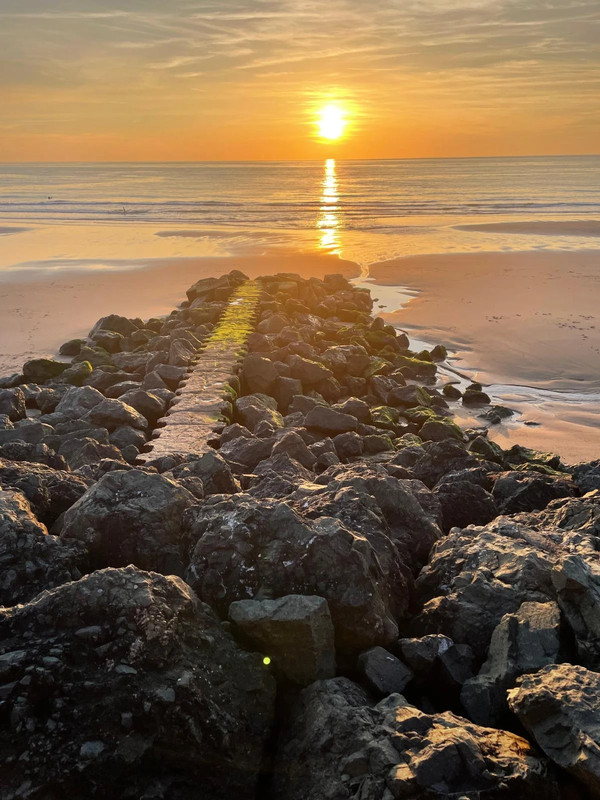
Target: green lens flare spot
x,y
266,661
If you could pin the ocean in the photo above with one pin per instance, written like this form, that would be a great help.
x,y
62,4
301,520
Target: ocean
x,y
362,210
498,258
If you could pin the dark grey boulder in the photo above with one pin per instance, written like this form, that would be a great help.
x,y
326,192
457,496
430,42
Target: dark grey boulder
x,y
294,631
559,707
253,409
114,322
522,642
161,702
382,672
340,747
12,403
259,373
212,469
245,548
528,491
30,559
464,503
149,405
111,414
78,401
50,492
329,421
293,444
130,517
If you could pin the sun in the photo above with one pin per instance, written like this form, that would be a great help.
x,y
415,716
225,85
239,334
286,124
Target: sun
x,y
331,122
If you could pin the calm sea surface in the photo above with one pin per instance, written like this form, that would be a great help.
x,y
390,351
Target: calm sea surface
x,y
363,210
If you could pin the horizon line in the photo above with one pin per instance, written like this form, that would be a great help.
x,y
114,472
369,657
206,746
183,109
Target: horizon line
x,y
303,160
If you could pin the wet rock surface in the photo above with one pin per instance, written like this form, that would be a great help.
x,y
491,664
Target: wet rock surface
x,y
330,519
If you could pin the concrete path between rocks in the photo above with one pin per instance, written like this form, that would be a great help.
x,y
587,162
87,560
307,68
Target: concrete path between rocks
x,y
201,399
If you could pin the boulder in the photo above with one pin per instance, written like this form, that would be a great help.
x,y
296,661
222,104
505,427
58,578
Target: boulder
x,y
408,396
464,503
122,684
576,579
246,548
212,469
247,452
40,370
522,642
12,404
295,632
78,401
587,476
114,322
50,492
130,517
307,371
477,575
293,444
559,707
111,414
256,408
528,491
436,430
36,453
348,445
327,420
149,405
30,559
340,747
382,672
259,373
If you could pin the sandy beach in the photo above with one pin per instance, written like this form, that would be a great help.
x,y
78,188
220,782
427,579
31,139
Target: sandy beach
x,y
40,310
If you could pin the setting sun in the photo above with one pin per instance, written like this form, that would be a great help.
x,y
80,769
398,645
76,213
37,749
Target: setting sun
x,y
331,122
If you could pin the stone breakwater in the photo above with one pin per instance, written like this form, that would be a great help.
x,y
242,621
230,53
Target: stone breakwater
x,y
246,552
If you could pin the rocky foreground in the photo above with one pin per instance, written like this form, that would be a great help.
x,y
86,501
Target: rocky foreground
x,y
341,595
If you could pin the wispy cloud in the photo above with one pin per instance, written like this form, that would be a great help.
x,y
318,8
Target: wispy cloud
x,y
115,62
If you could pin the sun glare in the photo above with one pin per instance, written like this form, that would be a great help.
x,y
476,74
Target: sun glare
x,y
331,122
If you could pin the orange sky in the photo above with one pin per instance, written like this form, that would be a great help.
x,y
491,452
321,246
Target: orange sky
x,y
184,80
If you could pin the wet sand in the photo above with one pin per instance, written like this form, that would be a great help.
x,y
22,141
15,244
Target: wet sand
x,y
576,227
504,316
39,310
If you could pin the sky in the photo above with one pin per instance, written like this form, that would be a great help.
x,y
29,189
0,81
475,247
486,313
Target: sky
x,y
121,80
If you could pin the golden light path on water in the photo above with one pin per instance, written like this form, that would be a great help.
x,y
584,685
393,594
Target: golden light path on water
x,y
329,220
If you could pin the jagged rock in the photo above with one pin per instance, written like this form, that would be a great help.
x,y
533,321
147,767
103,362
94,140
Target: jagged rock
x,y
50,492
30,559
410,510
111,414
421,655
40,370
559,707
12,403
72,347
437,430
339,747
522,642
348,445
408,397
130,517
477,575
437,459
451,392
576,580
528,491
126,436
78,401
253,409
213,471
149,405
328,421
36,453
169,707
464,503
383,672
295,631
245,548
587,476
248,452
81,451
308,371
259,373
114,322
475,397
293,444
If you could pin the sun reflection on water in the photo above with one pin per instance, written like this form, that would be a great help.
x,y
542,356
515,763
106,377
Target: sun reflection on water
x,y
329,220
